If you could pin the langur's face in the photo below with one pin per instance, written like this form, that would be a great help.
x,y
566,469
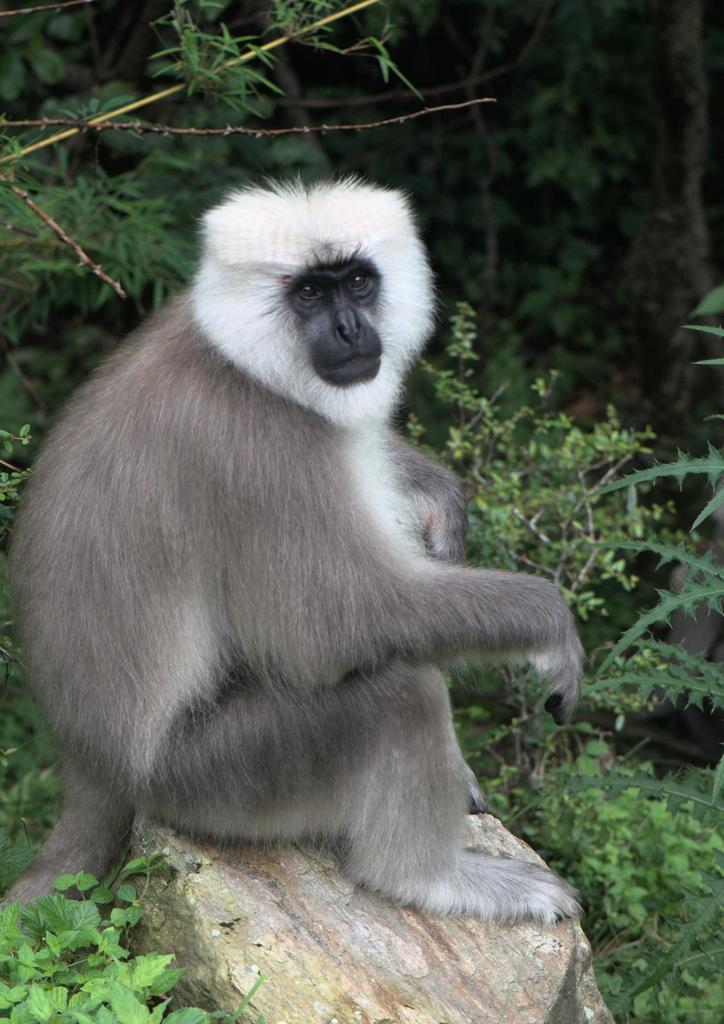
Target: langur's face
x,y
334,305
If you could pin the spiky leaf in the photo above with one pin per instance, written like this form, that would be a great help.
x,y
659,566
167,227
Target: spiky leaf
x,y
709,592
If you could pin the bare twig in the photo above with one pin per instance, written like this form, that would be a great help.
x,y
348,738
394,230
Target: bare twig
x,y
148,127
9,465
45,7
9,226
531,524
65,238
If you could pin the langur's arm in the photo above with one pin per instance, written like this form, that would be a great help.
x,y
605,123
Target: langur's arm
x,y
439,501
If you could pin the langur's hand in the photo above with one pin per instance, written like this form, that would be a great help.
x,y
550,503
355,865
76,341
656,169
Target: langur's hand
x,y
561,666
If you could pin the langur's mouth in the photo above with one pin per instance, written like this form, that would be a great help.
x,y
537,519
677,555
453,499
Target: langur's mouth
x,y
355,370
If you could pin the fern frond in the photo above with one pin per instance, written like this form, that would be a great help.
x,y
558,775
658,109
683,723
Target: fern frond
x,y
703,563
717,331
711,464
673,789
711,506
703,911
672,680
709,592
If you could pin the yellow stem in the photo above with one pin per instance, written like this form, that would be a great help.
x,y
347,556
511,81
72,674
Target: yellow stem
x,y
173,89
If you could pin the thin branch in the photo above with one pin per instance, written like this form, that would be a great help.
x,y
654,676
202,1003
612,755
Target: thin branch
x,y
148,127
65,238
173,90
45,7
16,228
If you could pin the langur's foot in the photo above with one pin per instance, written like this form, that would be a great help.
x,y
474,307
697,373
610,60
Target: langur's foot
x,y
500,889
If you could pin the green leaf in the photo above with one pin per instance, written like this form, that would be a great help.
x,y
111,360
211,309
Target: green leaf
x,y
64,882
39,1005
711,506
718,331
126,1006
47,64
711,464
703,563
691,594
250,995
9,995
713,302
703,911
127,892
147,969
681,672
141,865
718,780
675,790
190,1015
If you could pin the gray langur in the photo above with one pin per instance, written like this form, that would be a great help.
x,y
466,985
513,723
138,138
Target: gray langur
x,y
235,582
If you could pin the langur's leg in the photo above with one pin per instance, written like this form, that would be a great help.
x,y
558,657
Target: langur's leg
x,y
406,838
372,764
93,825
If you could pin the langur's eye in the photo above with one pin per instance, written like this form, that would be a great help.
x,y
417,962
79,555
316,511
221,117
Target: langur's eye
x,y
357,282
309,291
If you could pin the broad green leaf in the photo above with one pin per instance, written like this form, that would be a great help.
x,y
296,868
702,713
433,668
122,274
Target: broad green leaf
x,y
190,1015
713,302
126,892
126,1006
39,1005
147,969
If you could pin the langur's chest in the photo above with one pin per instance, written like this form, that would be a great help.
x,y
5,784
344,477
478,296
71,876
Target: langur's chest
x,y
378,493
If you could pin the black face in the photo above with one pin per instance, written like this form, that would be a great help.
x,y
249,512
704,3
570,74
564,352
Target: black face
x,y
333,303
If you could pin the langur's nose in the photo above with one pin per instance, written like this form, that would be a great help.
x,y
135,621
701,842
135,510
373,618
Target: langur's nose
x,y
348,326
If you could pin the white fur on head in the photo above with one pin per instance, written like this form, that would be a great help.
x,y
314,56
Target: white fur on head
x,y
259,237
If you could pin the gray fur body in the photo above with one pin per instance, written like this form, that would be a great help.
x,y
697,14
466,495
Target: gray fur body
x,y
228,630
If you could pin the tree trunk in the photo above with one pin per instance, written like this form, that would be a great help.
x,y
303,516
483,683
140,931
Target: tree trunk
x,y
668,266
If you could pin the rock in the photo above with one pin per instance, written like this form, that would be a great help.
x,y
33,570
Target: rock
x,y
330,953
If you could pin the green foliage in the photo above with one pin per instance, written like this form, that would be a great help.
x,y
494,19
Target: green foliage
x,y
667,670
534,480
11,477
693,943
66,961
641,846
647,874
711,465
213,62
